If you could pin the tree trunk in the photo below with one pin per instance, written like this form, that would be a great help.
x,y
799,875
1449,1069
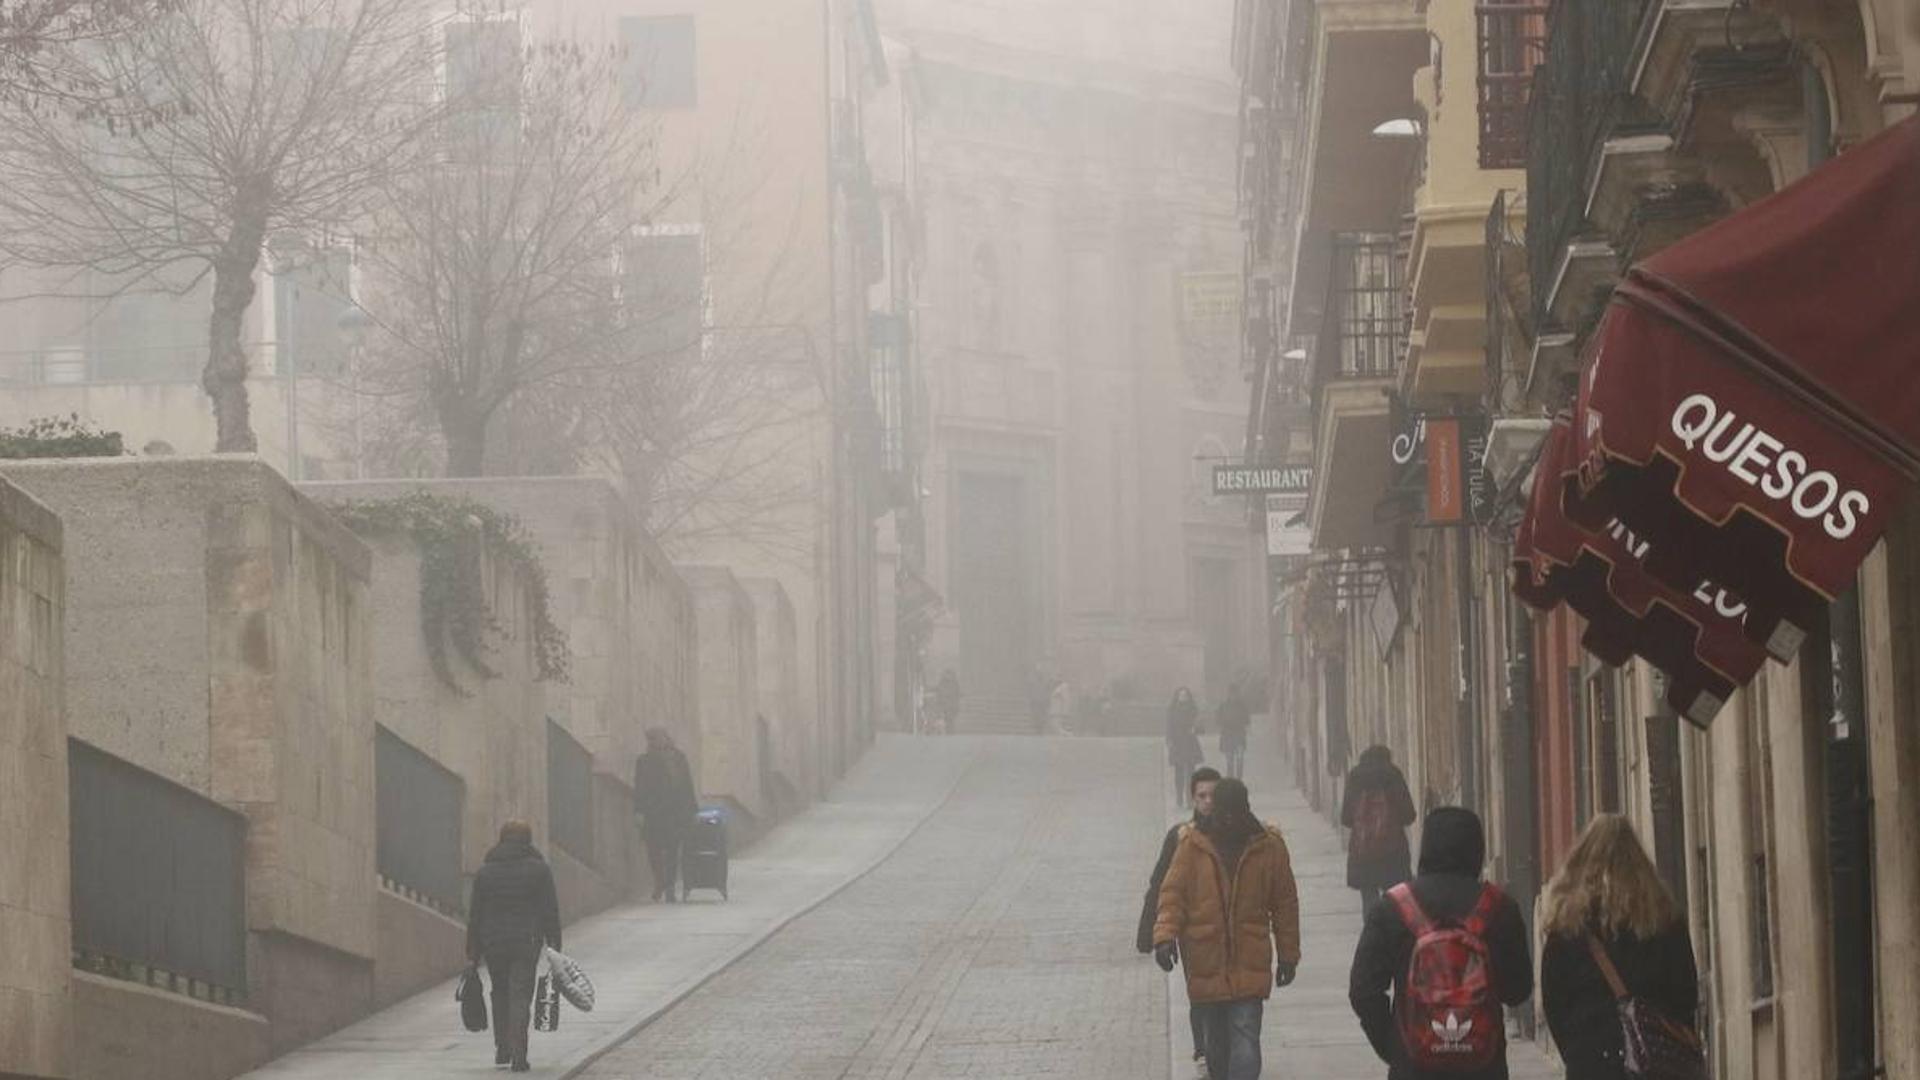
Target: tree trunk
x,y
466,446
225,378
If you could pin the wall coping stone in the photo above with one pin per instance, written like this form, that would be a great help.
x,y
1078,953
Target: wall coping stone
x,y
235,471
171,998
30,515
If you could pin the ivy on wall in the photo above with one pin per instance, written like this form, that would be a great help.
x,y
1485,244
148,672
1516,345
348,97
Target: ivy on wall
x,y
455,618
59,437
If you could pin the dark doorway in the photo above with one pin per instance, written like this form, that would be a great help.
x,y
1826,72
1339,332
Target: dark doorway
x,y
992,582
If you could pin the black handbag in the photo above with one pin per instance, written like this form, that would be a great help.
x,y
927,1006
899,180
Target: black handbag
x,y
473,1000
1657,1046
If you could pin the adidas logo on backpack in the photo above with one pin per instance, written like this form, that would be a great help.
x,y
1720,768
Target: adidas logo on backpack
x,y
1449,1016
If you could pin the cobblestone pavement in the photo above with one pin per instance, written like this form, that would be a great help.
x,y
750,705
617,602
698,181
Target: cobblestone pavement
x,y
996,942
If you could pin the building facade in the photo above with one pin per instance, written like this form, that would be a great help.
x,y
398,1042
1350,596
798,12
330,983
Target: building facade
x,y
1079,330
1462,186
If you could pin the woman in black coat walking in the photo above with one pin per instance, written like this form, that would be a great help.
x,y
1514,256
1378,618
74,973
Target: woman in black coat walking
x,y
1378,808
1609,892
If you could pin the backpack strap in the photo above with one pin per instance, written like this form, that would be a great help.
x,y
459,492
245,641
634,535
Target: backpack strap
x,y
1478,919
1607,971
1410,912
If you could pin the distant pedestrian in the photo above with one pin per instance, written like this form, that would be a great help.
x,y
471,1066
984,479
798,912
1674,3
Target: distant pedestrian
x,y
1039,693
1200,788
1060,708
947,695
1377,807
1183,741
1453,950
514,912
664,797
1233,718
1229,910
1607,904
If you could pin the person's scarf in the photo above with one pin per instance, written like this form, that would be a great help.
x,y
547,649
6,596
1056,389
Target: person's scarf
x,y
1230,838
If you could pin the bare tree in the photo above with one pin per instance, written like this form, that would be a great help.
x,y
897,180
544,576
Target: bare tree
x,y
36,34
547,299
497,268
214,127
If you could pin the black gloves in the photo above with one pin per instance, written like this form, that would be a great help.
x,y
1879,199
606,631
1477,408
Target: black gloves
x,y
1283,973
1165,954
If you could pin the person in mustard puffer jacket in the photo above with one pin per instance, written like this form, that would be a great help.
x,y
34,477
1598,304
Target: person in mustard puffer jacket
x,y
1229,910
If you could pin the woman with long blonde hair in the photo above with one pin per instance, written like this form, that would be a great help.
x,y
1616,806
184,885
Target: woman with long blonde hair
x,y
1607,900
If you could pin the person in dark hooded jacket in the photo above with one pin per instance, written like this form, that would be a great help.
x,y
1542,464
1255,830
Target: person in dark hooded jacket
x,y
514,912
664,798
1378,808
1453,850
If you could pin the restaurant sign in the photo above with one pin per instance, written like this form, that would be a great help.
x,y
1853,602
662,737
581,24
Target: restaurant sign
x,y
1262,479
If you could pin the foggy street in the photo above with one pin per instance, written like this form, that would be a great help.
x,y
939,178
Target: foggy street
x,y
682,540
997,943
994,941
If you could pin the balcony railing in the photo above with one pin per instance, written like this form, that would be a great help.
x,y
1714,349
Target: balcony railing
x,y
1579,97
1363,330
1513,41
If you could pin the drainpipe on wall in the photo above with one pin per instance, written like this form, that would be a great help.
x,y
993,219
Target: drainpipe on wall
x,y
1850,847
1468,675
1849,792
1518,750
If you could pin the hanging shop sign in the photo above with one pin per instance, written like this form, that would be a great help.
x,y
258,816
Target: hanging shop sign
x,y
1383,614
1288,533
1483,494
1446,472
1441,459
1749,407
1262,479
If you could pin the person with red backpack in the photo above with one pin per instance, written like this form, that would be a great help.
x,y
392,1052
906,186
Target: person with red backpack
x,y
1453,950
1377,807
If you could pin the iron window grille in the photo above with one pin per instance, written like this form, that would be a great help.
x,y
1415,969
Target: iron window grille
x,y
1513,40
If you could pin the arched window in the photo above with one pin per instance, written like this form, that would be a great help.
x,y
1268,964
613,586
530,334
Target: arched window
x,y
984,298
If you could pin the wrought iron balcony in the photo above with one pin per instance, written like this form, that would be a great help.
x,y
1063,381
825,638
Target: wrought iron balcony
x,y
1513,41
1580,96
1363,328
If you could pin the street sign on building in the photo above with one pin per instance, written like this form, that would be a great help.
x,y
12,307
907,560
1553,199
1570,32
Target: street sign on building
x,y
1287,531
1262,479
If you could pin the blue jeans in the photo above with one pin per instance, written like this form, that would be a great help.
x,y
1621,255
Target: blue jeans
x,y
1233,1038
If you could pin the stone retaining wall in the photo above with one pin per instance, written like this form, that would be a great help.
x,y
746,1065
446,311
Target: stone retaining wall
x,y
35,928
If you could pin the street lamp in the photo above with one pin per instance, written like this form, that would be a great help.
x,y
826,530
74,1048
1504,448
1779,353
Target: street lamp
x,y
352,328
1293,362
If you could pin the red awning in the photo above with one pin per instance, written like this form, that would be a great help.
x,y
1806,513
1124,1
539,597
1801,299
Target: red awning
x,y
1752,406
1695,637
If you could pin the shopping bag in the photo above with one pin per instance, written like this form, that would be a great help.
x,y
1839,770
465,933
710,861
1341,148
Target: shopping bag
x,y
473,1000
546,1006
571,981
